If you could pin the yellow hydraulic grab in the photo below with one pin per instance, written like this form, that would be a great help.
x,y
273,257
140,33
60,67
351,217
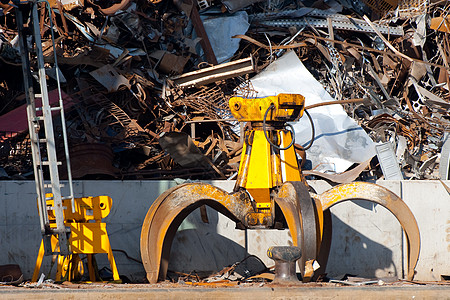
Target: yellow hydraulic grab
x,y
88,236
268,159
270,192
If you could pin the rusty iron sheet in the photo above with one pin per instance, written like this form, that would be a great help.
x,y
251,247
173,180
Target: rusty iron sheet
x,y
379,195
110,78
110,11
344,177
440,23
182,149
91,159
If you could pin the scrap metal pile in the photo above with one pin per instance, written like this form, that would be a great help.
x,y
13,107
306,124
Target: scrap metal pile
x,y
146,84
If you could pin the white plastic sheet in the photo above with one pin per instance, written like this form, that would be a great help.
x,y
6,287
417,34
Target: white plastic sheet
x,y
339,140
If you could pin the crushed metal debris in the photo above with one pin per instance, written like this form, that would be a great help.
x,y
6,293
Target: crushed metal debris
x,y
147,83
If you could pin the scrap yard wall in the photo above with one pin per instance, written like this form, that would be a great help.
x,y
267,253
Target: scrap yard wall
x,y
367,239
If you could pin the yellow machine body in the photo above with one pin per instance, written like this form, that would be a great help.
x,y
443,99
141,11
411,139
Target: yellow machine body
x,y
269,193
261,168
287,107
88,236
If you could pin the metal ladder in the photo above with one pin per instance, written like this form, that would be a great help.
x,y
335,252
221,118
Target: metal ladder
x,y
40,123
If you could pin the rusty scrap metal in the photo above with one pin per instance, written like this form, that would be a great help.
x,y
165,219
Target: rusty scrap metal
x,y
398,63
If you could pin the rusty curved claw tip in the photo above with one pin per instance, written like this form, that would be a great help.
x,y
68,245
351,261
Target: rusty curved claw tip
x,y
301,215
169,210
380,195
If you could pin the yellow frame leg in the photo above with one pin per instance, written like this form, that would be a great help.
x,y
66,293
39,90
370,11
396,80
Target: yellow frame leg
x,y
40,257
112,262
91,270
38,265
63,266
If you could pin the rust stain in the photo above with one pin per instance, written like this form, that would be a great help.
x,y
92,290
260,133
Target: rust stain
x,y
448,235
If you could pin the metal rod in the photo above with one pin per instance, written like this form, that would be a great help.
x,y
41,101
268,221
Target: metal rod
x,y
62,115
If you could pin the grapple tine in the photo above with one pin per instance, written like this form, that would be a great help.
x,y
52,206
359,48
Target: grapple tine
x,y
325,243
301,216
380,195
169,210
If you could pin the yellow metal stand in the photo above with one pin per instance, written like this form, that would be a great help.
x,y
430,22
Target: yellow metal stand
x,y
88,236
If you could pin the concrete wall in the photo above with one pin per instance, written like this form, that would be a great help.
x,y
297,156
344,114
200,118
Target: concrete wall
x,y
367,239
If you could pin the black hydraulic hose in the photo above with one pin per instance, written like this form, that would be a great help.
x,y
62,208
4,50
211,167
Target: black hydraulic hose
x,y
272,106
313,131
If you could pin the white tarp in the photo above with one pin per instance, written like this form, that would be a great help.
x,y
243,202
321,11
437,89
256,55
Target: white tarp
x,y
339,141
